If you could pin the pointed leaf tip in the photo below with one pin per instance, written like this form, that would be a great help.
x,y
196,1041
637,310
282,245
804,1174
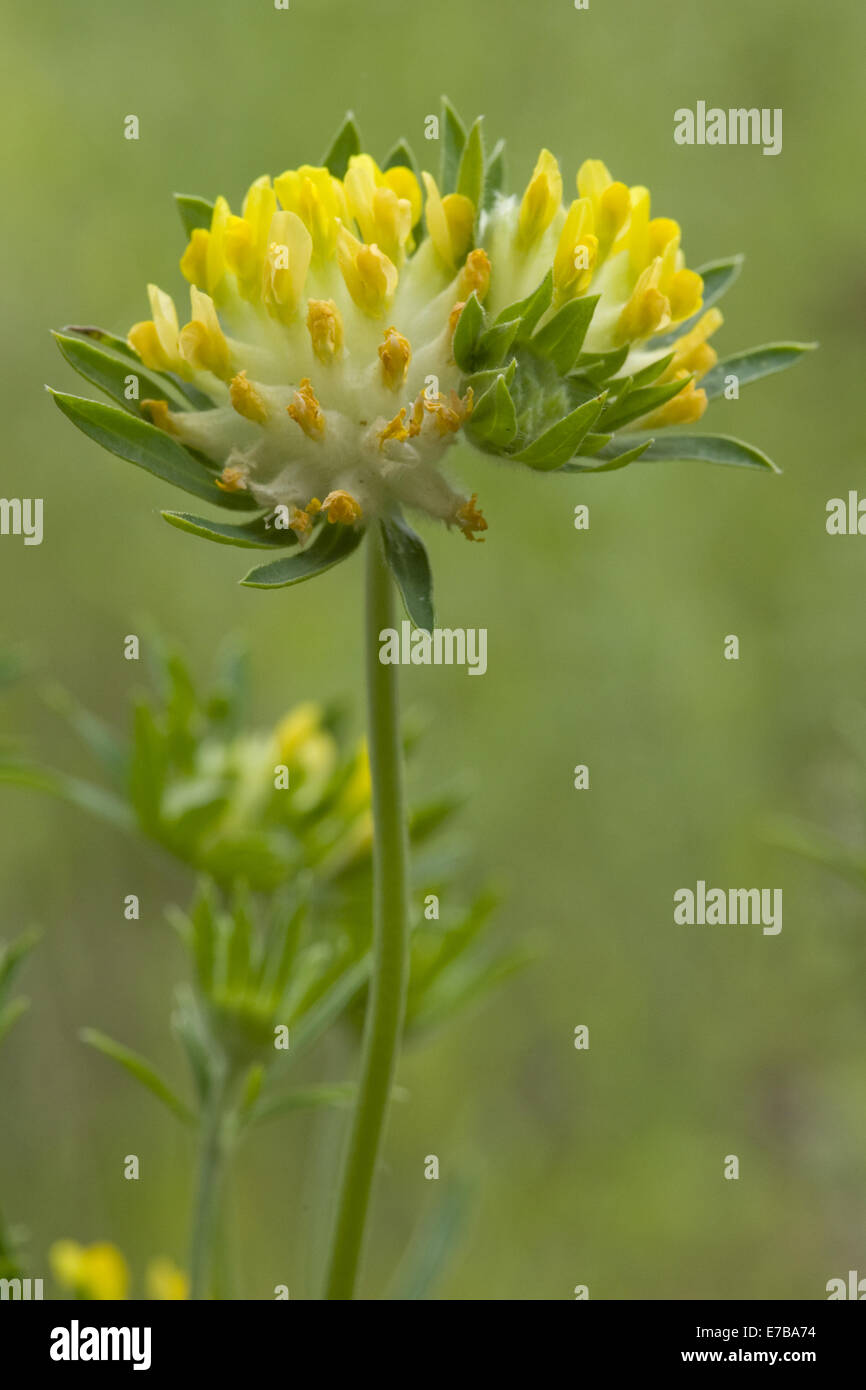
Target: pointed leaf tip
x,y
345,144
330,546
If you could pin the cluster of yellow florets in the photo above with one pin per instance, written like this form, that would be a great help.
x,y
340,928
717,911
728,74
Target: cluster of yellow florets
x,y
322,321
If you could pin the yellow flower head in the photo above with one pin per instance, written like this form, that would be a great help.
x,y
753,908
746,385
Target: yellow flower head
x,y
355,318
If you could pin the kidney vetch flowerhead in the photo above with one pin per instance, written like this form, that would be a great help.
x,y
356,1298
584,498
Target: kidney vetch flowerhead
x,y
354,320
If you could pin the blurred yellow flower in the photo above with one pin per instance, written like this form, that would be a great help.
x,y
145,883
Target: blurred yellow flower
x,y
165,1280
96,1271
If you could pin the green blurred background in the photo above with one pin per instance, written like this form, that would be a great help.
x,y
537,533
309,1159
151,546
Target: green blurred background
x,y
605,647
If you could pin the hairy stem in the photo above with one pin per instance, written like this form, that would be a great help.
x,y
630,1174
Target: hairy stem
x,y
386,1003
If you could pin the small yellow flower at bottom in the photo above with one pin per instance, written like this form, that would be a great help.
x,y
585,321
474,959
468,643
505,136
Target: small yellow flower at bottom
x,y
165,1281
96,1271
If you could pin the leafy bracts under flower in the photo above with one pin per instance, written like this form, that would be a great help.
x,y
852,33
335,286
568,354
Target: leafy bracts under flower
x,y
354,320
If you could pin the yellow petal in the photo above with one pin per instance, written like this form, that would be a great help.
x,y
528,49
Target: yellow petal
x,y
637,231
437,223
647,311
541,201
259,207
202,340
241,256
593,178
144,339
193,262
450,222
686,293
475,275
611,214
404,183
577,228
371,278
325,325
216,261
290,248
683,409
165,320
395,354
247,401
342,507
306,412
319,199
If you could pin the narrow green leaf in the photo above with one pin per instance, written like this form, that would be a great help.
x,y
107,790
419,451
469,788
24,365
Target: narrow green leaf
x,y
94,732
530,309
345,144
140,1069
560,442
561,338
753,364
282,952
409,563
256,534
202,933
111,373
240,942
102,337
452,134
329,1007
458,988
632,404
646,376
194,212
493,422
147,447
469,328
250,1091
494,177
336,1094
495,343
599,367
433,1245
10,1015
470,175
483,380
817,846
12,956
85,795
330,546
611,465
718,276
149,765
453,944
189,1026
702,448
591,443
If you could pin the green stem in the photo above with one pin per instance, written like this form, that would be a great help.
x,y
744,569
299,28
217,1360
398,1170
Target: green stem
x,y
386,1003
211,1166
